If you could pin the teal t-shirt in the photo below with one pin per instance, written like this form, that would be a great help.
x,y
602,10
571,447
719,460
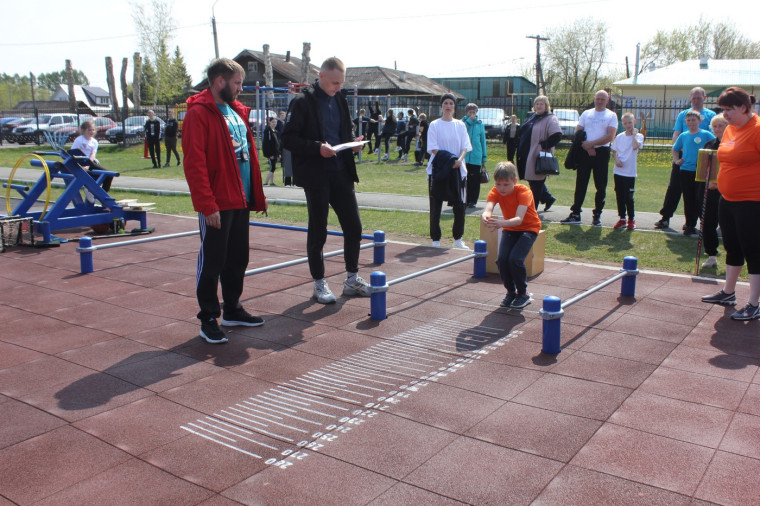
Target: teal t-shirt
x,y
240,143
690,144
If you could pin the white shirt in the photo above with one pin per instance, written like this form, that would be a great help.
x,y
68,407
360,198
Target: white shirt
x,y
623,147
449,136
89,148
595,124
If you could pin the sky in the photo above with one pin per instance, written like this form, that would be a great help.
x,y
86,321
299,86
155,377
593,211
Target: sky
x,y
438,38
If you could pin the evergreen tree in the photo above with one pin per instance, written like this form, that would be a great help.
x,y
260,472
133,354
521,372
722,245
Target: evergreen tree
x,y
180,78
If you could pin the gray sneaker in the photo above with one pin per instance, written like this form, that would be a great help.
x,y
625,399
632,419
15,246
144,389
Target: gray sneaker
x,y
572,219
720,297
748,312
522,300
356,287
322,292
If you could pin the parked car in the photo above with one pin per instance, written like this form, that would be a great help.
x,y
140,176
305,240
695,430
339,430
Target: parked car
x,y
102,125
568,120
259,124
34,131
9,126
135,130
493,120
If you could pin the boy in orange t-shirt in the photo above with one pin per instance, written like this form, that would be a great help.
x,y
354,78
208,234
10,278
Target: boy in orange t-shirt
x,y
520,225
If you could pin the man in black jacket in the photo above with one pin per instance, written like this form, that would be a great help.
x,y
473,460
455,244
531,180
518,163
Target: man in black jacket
x,y
318,119
153,136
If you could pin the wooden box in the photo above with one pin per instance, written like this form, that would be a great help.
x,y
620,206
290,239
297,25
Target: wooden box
x,y
534,262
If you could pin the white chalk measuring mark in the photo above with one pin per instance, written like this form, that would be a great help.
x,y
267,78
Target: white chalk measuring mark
x,y
368,382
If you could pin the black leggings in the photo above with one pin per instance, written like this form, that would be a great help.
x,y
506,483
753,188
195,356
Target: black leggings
x,y
741,233
457,230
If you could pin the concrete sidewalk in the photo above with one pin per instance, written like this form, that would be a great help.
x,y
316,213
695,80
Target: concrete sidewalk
x,y
367,200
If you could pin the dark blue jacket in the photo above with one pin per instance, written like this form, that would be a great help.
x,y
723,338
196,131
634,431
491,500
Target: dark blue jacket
x,y
447,183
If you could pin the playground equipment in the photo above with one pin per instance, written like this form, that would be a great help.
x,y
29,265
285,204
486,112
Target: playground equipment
x,y
86,248
69,210
379,286
553,307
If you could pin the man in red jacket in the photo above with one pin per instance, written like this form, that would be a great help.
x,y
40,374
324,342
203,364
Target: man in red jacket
x,y
222,171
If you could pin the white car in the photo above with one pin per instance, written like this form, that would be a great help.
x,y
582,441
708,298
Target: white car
x,y
568,120
34,131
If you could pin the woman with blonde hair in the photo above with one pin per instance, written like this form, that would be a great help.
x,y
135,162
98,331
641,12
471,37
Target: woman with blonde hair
x,y
540,133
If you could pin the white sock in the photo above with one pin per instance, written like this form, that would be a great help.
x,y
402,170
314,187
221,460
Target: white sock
x,y
351,276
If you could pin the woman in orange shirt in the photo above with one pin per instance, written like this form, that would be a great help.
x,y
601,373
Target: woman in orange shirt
x,y
739,207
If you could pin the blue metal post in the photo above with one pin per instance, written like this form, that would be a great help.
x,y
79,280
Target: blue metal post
x,y
377,298
85,257
552,315
479,267
628,285
379,248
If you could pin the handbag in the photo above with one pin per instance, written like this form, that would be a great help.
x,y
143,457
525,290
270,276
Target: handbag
x,y
546,165
483,175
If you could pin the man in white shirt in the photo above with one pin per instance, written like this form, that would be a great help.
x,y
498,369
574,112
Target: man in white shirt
x,y
600,125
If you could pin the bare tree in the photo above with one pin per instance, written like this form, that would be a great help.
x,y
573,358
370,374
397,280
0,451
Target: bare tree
x,y
305,59
125,102
155,27
136,79
112,88
70,83
268,74
575,56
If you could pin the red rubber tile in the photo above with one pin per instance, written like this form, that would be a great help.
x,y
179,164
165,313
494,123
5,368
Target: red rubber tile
x,y
574,396
751,402
696,388
545,433
731,479
401,493
382,444
19,422
644,326
610,370
338,483
491,379
140,426
630,347
476,472
134,479
212,393
712,363
37,374
239,350
162,370
645,458
684,421
172,336
52,462
743,436
124,324
575,485
670,310
336,344
459,411
114,352
725,336
12,355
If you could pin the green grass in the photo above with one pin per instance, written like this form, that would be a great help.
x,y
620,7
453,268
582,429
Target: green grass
x,y
658,251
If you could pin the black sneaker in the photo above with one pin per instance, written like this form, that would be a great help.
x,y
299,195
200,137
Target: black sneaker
x,y
241,318
572,219
211,332
663,223
721,297
507,301
748,312
689,231
549,203
596,221
521,300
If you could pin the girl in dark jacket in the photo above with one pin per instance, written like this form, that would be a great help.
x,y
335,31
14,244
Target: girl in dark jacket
x,y
389,130
272,148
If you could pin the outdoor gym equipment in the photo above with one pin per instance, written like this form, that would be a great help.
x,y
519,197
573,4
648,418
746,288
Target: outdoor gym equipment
x,y
86,248
553,308
379,286
69,210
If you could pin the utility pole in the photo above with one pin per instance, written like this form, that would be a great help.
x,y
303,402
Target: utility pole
x,y
539,74
213,27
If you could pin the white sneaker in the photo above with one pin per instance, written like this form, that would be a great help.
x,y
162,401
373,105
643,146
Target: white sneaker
x,y
436,244
386,156
405,158
322,292
398,148
356,287
459,244
710,262
89,196
377,151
